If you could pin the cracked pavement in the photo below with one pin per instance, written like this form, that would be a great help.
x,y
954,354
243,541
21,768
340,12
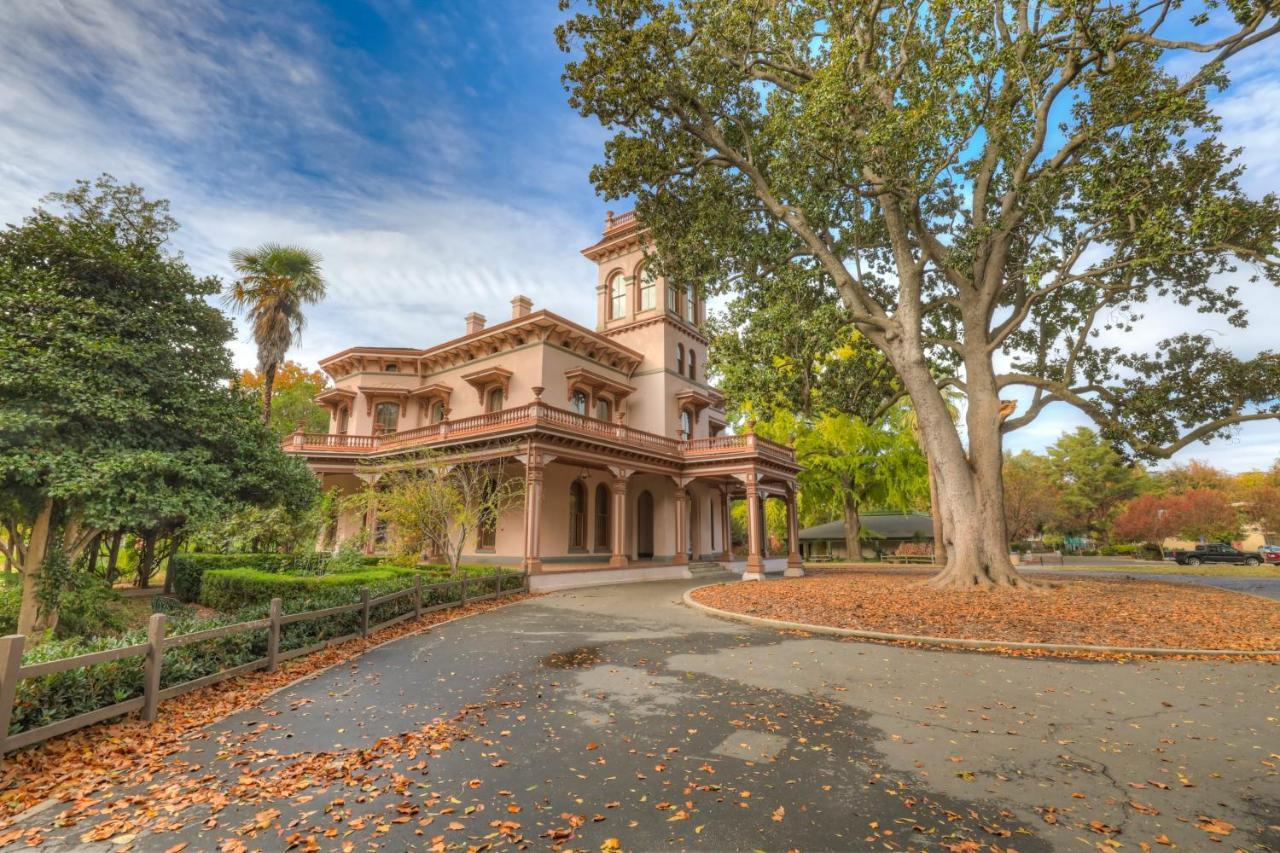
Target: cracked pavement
x,y
618,713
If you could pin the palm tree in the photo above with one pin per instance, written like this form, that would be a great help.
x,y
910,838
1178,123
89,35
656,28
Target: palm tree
x,y
275,282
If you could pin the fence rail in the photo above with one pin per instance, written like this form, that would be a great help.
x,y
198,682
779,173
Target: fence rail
x,y
12,671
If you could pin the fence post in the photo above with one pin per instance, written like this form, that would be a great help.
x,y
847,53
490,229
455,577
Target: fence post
x,y
497,581
364,611
155,663
463,584
10,662
417,596
273,635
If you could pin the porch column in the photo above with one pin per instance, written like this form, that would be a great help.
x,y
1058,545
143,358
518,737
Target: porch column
x,y
682,524
533,468
755,562
619,557
725,511
795,565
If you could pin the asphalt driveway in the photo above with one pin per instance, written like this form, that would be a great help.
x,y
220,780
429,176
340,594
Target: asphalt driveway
x,y
618,713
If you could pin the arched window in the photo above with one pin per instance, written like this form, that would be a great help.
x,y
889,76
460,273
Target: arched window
x,y
690,302
604,409
617,296
436,415
602,517
648,296
578,402
693,364
686,424
577,516
386,416
680,359
344,420
495,400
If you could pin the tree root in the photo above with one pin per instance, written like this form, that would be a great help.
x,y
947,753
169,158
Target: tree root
x,y
984,581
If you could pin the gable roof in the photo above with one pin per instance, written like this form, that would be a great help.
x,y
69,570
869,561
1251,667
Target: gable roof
x,y
881,525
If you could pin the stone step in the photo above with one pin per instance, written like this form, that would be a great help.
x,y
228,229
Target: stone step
x,y
708,570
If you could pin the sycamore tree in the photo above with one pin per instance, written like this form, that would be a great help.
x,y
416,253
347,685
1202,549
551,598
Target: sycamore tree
x,y
985,185
117,411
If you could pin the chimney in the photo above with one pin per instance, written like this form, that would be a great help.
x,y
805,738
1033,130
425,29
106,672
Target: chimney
x,y
475,323
520,307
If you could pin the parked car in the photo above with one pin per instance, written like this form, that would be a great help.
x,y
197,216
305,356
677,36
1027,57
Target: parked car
x,y
1270,553
1216,553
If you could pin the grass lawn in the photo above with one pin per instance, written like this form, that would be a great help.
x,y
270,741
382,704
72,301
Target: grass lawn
x,y
1219,571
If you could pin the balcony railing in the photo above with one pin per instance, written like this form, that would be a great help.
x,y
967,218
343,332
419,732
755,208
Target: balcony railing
x,y
534,415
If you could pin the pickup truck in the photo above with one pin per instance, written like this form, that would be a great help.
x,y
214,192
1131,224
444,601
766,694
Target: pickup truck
x,y
1215,554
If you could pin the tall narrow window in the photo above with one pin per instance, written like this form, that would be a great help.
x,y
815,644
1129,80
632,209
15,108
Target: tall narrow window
x,y
671,297
690,302
495,400
386,416
577,516
693,365
344,420
602,517
686,425
617,296
578,402
680,359
648,289
436,415
604,409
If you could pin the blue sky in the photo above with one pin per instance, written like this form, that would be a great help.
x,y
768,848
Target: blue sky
x,y
424,149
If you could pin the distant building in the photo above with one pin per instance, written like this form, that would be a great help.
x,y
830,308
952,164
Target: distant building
x,y
883,532
629,469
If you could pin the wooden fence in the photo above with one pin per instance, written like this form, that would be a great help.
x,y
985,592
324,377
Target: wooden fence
x,y
12,671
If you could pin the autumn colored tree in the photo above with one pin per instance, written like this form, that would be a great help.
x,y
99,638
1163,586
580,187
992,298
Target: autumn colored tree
x,y
1032,497
292,397
981,186
1262,507
1147,518
275,283
1206,514
1196,474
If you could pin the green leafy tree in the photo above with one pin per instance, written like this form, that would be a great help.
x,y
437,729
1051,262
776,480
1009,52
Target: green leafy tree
x,y
1095,481
275,283
982,186
116,406
850,465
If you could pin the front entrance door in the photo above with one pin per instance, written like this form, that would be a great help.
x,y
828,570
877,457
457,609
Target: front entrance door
x,y
644,526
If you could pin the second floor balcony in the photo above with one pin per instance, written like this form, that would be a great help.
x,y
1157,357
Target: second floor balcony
x,y
532,418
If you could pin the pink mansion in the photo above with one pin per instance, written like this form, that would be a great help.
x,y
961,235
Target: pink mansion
x,y
629,471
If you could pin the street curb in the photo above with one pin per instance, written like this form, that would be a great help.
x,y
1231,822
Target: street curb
x,y
957,642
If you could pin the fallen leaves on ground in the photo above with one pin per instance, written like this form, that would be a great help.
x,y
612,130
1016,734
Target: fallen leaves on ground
x,y
72,768
1095,612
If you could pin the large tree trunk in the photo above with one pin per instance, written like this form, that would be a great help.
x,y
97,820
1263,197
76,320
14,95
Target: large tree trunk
x,y
146,560
268,383
113,557
37,547
852,529
969,487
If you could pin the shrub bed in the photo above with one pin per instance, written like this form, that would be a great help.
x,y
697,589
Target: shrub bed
x,y
187,570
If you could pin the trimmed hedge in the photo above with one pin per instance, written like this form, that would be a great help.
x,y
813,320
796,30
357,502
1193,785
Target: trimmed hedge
x,y
187,570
